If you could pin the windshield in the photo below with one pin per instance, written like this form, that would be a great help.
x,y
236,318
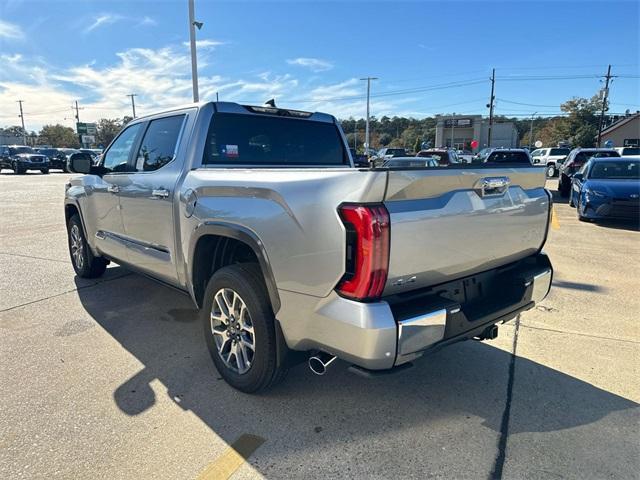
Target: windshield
x,y
396,152
237,139
508,157
622,170
18,150
559,151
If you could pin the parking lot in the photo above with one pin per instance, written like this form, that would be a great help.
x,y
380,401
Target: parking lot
x,y
110,378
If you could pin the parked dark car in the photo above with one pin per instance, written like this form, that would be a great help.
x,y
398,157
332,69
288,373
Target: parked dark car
x,y
607,188
20,158
444,156
359,159
575,161
57,158
509,155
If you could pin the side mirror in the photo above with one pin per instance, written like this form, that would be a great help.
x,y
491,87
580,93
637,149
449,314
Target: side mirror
x,y
80,163
578,176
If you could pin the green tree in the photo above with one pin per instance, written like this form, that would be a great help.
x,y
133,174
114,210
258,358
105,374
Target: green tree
x,y
59,136
385,139
106,130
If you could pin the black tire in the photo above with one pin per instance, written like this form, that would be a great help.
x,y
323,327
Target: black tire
x,y
18,170
246,280
85,263
580,217
571,202
45,171
551,171
563,188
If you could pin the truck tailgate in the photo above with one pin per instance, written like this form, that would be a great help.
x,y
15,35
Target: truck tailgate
x,y
450,223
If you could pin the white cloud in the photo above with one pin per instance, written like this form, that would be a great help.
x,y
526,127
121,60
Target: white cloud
x,y
162,79
147,22
10,30
205,44
314,64
103,19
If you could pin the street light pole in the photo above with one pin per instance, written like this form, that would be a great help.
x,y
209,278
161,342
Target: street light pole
x,y
531,130
24,132
192,42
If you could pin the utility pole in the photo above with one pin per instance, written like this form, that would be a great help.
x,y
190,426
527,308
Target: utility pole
x,y
366,130
355,134
77,112
453,126
604,104
531,130
24,132
192,42
217,98
133,103
490,105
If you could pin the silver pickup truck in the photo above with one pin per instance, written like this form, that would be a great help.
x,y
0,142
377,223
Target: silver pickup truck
x,y
292,254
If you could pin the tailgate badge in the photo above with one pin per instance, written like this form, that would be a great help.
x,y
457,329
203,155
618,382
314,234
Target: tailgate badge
x,y
492,186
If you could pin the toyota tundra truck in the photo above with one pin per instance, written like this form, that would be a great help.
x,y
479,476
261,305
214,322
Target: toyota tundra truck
x,y
293,254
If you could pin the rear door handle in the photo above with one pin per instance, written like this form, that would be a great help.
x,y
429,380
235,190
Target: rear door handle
x,y
160,193
113,188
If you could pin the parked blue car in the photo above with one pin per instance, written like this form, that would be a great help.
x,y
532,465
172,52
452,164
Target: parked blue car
x,y
607,188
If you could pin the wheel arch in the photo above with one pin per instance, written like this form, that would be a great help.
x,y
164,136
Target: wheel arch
x,y
214,245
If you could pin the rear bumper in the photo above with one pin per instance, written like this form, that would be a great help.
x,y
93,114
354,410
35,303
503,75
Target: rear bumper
x,y
385,334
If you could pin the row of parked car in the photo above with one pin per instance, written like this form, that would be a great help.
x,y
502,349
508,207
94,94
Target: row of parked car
x,y
599,182
21,158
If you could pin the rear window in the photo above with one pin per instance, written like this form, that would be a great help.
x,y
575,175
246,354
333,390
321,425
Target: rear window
x,y
631,151
559,151
236,139
508,157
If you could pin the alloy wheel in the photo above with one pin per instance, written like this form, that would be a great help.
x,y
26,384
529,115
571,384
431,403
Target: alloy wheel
x,y
77,252
232,330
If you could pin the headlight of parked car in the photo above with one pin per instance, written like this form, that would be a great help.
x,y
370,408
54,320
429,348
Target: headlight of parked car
x,y
595,193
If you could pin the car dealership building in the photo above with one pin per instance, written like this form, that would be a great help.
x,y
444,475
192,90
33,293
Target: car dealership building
x,y
459,130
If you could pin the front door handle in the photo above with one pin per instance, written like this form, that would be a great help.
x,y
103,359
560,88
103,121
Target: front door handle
x,y
113,188
160,193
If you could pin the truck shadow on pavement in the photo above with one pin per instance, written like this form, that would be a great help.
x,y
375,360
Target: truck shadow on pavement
x,y
463,385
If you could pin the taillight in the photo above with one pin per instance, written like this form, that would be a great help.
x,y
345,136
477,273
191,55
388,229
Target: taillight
x,y
367,261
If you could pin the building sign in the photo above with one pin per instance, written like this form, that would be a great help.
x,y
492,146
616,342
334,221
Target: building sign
x,y
86,128
88,139
458,123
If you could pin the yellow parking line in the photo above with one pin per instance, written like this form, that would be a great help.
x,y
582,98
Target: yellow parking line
x,y
232,458
554,218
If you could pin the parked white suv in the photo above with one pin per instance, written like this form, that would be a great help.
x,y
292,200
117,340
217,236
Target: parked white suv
x,y
550,158
628,151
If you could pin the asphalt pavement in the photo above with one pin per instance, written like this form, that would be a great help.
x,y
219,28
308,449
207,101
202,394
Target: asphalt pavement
x,y
110,378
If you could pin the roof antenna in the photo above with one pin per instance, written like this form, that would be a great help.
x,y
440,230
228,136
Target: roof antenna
x,y
271,103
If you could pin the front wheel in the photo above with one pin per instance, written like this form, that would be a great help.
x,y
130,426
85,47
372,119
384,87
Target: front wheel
x,y
239,328
85,263
45,171
563,187
551,171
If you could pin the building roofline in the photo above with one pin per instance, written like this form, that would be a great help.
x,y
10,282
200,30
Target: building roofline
x,y
620,123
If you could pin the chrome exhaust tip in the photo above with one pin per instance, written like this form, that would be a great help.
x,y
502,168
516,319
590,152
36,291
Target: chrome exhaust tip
x,y
320,362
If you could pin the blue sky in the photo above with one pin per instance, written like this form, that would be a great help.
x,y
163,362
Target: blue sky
x,y
430,57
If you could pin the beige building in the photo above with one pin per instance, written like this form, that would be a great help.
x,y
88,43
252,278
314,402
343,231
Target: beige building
x,y
624,132
460,130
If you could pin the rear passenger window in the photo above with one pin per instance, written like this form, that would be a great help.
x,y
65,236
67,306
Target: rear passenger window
x,y
508,157
158,147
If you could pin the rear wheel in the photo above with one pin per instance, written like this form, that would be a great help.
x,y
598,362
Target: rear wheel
x,y
571,202
85,263
239,328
